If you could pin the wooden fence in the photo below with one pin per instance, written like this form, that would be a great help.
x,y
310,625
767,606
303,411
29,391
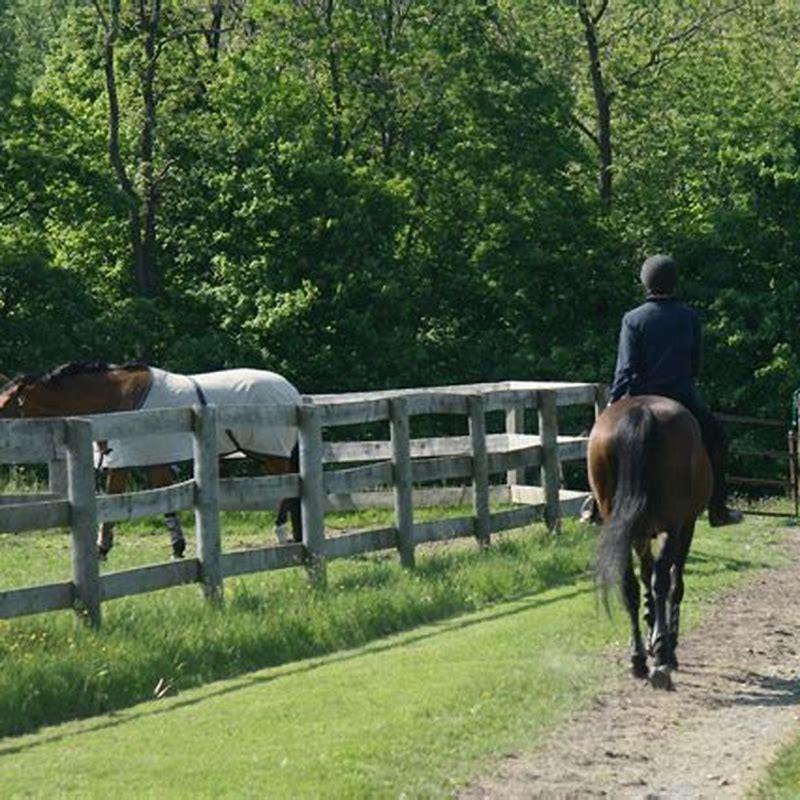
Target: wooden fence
x,y
787,458
402,463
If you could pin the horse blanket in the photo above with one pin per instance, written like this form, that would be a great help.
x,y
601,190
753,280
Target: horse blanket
x,y
226,388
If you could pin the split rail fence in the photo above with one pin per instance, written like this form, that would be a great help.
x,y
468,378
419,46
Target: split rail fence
x,y
401,462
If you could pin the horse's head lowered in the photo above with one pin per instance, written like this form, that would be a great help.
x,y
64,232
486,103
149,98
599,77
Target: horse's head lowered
x,y
12,397
74,388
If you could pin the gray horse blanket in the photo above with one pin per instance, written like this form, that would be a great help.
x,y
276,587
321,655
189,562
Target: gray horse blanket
x,y
233,387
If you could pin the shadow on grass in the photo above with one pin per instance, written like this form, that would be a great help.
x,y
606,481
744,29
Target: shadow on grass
x,y
722,564
442,628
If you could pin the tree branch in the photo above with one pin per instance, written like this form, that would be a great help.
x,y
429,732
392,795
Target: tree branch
x,y
15,209
111,29
598,15
585,129
101,14
680,39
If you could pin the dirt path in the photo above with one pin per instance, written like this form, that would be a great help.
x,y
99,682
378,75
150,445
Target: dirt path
x,y
737,700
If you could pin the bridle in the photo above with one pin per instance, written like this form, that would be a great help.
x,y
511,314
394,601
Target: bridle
x,y
15,403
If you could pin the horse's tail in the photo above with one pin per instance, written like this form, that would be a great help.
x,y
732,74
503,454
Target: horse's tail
x,y
635,441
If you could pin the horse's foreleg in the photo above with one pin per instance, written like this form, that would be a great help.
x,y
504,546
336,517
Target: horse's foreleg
x,y
661,641
293,465
161,476
116,479
630,589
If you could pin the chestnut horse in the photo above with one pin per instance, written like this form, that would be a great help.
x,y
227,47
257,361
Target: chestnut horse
x,y
77,389
651,476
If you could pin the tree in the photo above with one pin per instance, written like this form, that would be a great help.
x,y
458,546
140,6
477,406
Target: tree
x,y
630,46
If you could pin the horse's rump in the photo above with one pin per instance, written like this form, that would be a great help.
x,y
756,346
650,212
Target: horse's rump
x,y
235,387
674,468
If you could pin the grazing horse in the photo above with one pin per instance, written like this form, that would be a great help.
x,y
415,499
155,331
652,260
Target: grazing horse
x,y
97,388
651,476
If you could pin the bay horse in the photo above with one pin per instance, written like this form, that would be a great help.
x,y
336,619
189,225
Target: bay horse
x,y
77,389
652,478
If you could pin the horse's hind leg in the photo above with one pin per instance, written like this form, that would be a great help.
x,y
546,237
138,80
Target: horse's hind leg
x,y
630,589
161,476
663,653
676,588
646,577
289,507
115,484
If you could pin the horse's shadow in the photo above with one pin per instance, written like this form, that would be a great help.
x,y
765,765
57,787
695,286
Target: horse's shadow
x,y
757,690
766,690
697,562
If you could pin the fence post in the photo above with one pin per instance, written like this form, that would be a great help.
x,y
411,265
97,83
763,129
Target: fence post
x,y
83,520
480,467
793,468
515,423
551,473
312,491
206,502
401,471
57,476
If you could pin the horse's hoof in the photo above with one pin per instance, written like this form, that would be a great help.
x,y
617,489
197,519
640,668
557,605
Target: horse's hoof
x,y
639,667
102,555
660,678
282,533
178,549
672,662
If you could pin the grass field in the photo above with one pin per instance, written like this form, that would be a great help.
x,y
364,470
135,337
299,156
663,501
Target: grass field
x,y
55,670
426,675
783,779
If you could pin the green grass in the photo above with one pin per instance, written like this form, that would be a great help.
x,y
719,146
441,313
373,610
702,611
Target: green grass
x,y
53,670
411,714
782,781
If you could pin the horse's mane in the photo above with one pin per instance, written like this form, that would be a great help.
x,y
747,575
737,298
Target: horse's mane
x,y
54,376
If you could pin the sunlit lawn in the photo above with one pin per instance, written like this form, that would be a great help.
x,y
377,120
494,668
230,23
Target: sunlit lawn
x,y
414,713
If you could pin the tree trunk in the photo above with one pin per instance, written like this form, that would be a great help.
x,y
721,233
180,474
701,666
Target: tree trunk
x,y
148,278
602,99
213,36
142,200
111,25
337,146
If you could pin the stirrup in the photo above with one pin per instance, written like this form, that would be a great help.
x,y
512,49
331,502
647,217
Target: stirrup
x,y
727,516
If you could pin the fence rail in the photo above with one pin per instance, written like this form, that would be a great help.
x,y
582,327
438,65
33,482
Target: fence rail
x,y
788,457
378,471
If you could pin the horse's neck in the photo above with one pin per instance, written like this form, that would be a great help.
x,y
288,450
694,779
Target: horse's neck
x,y
96,393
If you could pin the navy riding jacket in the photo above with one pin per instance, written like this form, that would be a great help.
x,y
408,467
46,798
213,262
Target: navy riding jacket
x,y
659,351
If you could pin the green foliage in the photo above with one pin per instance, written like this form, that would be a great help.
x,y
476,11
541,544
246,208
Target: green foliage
x,y
370,195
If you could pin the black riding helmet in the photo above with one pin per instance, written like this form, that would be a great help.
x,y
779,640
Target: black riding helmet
x,y
659,275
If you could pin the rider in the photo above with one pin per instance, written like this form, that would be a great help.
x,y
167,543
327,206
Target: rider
x,y
659,353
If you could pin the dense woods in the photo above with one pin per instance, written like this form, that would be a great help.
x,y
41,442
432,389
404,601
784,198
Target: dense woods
x,y
376,193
